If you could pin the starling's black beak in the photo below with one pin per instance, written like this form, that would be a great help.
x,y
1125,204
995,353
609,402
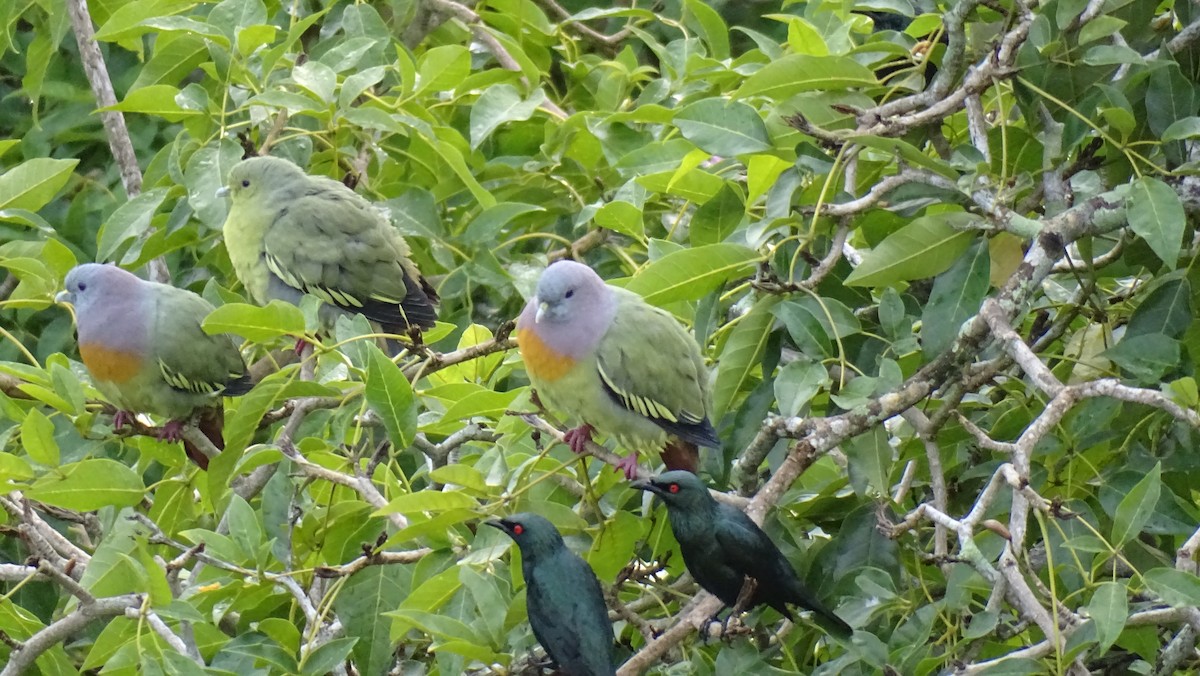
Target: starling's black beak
x,y
496,523
646,486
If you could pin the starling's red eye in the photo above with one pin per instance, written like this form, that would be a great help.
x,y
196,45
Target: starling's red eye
x,y
518,529
674,488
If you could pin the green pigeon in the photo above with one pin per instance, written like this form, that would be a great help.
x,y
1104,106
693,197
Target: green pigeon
x,y
142,343
289,234
563,598
618,366
722,547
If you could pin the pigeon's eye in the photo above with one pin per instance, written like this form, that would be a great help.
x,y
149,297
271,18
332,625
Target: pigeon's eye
x,y
518,529
245,183
570,293
674,488
82,286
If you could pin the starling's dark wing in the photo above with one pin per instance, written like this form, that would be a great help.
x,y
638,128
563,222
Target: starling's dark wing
x,y
749,549
568,615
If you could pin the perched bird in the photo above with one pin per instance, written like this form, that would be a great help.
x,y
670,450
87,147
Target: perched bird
x,y
618,365
563,597
289,234
144,347
722,547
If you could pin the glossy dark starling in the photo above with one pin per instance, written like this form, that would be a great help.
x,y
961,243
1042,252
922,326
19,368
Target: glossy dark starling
x,y
563,597
722,547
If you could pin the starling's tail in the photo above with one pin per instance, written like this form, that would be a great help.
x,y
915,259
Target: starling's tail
x,y
211,422
833,624
680,454
822,615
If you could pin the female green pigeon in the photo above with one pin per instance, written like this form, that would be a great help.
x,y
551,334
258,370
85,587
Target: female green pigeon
x,y
289,234
144,347
616,364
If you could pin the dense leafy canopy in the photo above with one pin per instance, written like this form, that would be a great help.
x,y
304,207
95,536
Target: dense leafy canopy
x,y
939,256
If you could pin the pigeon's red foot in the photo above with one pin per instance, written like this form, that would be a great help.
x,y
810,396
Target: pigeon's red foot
x,y
122,418
172,431
578,437
300,345
628,465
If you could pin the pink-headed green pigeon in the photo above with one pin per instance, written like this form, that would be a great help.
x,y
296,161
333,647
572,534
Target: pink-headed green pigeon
x,y
617,366
143,345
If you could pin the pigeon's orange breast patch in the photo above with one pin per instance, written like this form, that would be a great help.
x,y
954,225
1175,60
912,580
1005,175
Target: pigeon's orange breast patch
x,y
115,366
542,361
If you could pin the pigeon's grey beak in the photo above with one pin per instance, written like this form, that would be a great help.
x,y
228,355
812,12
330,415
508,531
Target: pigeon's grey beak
x,y
64,296
223,191
541,312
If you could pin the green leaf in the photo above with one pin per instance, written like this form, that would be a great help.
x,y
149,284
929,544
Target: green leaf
x,y
37,436
708,23
1167,311
870,457
244,526
1137,507
443,67
182,24
1108,609
440,626
360,605
797,73
460,475
1176,587
13,468
390,395
89,485
428,501
957,295
723,127
122,23
205,173
500,104
233,15
256,323
130,220
691,274
926,247
240,427
482,403
1156,214
623,217
1188,127
742,354
796,385
32,184
328,657
160,100
1148,357
317,78
717,218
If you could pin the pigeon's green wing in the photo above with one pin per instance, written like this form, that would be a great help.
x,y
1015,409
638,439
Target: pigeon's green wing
x,y
650,365
333,244
189,359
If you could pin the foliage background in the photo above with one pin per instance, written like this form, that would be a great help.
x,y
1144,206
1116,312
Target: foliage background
x,y
939,255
